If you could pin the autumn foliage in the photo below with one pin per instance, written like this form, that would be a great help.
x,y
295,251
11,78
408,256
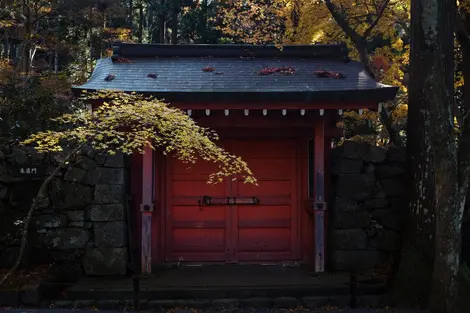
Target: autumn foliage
x,y
129,123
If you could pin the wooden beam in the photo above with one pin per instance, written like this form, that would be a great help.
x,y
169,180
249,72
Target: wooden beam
x,y
373,105
319,193
146,209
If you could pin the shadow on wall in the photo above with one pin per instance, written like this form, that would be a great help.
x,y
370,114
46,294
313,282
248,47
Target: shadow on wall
x,y
82,219
367,206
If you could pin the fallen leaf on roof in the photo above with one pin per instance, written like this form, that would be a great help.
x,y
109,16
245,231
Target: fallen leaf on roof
x,y
152,75
329,74
122,60
284,70
208,69
110,77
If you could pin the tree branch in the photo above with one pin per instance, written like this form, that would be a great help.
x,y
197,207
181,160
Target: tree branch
x,y
380,13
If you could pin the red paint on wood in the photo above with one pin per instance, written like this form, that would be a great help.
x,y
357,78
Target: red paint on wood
x,y
276,105
146,243
136,194
158,221
307,221
147,207
232,233
319,193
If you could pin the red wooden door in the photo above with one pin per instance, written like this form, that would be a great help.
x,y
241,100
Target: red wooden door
x,y
267,231
262,232
195,232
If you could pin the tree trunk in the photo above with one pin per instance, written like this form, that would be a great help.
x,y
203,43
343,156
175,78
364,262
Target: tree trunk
x,y
433,147
141,23
174,23
130,20
161,22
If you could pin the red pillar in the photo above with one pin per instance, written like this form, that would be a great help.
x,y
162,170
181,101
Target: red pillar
x,y
146,209
319,193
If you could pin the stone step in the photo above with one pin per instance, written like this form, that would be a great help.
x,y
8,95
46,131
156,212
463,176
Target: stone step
x,y
308,302
79,292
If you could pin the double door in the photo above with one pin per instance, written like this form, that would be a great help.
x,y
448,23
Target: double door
x,y
233,221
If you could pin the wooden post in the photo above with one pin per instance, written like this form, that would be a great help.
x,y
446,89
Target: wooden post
x,y
319,190
146,209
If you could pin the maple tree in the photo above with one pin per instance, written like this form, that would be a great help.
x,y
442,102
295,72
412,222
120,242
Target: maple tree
x,y
129,123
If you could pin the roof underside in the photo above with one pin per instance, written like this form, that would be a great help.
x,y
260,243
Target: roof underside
x,y
236,78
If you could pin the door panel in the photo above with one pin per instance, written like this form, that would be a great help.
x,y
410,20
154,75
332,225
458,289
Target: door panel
x,y
195,232
267,231
235,233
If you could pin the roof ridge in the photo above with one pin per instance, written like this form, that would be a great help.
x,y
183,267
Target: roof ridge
x,y
323,51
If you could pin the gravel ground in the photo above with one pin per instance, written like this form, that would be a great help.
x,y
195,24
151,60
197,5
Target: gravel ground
x,y
215,310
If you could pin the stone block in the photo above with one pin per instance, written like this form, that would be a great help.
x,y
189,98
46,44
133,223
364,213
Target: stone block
x,y
31,295
285,303
257,303
4,192
81,224
340,301
23,193
161,304
373,204
347,205
105,261
75,174
199,303
70,195
67,238
107,304
396,154
315,302
9,298
225,303
386,217
349,239
109,194
393,187
86,163
110,234
116,160
385,171
379,192
356,260
50,221
347,166
370,301
63,304
107,212
8,256
354,150
386,240
76,216
83,304
345,220
355,186
19,155
375,154
105,176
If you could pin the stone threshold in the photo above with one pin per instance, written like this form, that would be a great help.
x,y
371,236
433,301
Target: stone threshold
x,y
312,302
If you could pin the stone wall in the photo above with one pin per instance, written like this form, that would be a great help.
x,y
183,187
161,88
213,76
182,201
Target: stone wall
x,y
82,221
367,205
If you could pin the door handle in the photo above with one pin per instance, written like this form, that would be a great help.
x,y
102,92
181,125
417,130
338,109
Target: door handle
x,y
207,200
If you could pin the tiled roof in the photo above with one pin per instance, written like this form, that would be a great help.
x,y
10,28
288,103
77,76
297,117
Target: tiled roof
x,y
179,72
